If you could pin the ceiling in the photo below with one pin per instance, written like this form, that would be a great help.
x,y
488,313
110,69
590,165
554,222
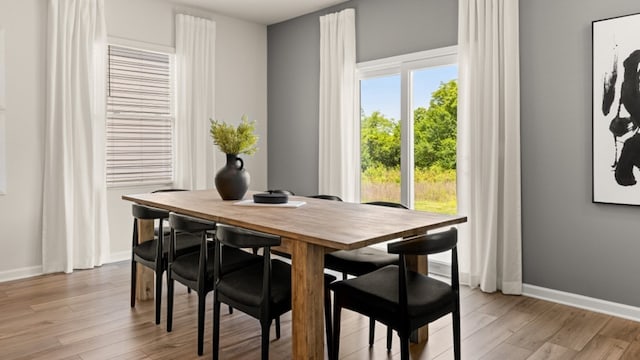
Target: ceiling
x,y
262,11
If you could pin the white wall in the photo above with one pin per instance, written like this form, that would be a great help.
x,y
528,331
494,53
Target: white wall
x,y
241,88
20,209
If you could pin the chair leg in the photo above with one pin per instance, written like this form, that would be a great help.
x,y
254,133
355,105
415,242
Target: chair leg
x,y
158,293
278,327
201,309
230,309
327,319
389,338
335,344
372,330
188,290
456,334
133,282
404,347
170,284
216,328
265,339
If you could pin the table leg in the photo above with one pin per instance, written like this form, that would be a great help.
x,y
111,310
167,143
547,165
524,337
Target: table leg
x,y
144,275
419,263
308,293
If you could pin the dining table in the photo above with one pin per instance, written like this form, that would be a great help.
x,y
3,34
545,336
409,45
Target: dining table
x,y
309,228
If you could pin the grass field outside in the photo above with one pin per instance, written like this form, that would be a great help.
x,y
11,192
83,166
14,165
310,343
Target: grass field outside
x,y
435,189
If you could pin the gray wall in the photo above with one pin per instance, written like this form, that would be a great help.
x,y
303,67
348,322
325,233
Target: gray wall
x,y
569,243
383,28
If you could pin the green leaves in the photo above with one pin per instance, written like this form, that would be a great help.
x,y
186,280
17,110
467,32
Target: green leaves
x,y
231,140
380,141
435,133
436,128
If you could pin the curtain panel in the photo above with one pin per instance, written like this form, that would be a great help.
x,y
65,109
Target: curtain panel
x,y
338,151
489,145
195,92
75,232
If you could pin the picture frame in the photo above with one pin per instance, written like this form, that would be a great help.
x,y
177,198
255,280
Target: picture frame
x,y
616,110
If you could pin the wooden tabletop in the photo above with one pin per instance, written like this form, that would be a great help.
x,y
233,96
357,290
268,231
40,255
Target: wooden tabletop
x,y
332,224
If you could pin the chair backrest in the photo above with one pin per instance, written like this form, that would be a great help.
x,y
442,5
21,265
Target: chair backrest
x,y
425,244
144,212
387,204
242,238
147,212
190,224
326,197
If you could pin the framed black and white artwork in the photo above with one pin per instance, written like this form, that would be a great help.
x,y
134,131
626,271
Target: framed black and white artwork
x,y
616,110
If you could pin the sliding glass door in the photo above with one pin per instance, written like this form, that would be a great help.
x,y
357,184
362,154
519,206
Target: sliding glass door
x,y
408,118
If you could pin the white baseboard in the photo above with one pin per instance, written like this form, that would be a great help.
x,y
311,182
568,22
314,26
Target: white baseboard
x,y
582,302
21,273
31,271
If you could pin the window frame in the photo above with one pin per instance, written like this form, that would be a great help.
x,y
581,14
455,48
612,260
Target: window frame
x,y
402,65
149,47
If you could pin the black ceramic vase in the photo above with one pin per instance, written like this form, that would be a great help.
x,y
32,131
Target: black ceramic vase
x,y
232,181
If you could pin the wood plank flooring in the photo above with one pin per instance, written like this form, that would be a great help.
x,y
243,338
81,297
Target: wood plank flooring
x,y
86,316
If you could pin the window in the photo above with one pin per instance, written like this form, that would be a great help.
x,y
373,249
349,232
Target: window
x,y
140,117
408,111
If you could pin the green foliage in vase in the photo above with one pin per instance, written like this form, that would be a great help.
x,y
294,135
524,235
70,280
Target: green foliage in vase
x,y
232,140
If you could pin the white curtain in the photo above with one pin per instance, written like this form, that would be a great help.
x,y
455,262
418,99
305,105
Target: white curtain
x,y
75,231
195,65
489,144
338,161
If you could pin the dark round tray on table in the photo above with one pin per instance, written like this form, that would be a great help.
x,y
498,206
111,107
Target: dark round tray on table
x,y
270,198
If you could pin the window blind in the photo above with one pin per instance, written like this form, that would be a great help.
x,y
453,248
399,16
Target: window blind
x,y
139,117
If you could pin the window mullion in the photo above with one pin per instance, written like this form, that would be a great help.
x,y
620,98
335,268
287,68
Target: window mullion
x,y
406,139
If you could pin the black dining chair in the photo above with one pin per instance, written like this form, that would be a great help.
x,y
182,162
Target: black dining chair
x,y
260,290
167,228
362,261
154,253
402,299
196,270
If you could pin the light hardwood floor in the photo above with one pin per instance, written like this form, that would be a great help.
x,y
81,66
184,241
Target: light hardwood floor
x,y
86,316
